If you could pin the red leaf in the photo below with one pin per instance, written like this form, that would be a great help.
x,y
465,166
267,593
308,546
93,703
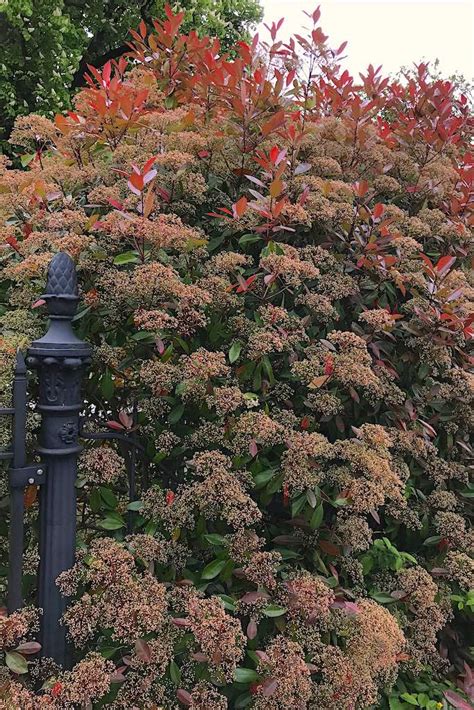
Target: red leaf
x,y
274,152
57,689
118,676
269,686
457,701
28,648
428,263
106,72
275,122
444,264
244,284
252,597
13,242
115,425
136,183
350,607
30,495
304,423
200,657
180,623
117,205
167,195
253,448
38,303
329,548
184,697
143,650
252,629
361,188
378,210
126,420
328,365
240,207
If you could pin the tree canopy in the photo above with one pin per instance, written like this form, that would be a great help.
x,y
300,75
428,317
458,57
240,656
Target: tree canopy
x,y
47,44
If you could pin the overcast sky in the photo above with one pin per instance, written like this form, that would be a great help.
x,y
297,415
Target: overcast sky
x,y
389,32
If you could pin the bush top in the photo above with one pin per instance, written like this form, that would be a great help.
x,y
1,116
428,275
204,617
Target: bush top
x,y
274,269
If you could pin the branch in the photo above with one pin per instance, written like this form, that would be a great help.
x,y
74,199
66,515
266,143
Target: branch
x,y
112,53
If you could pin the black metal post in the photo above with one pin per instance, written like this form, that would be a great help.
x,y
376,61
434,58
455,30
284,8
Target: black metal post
x,y
16,532
60,359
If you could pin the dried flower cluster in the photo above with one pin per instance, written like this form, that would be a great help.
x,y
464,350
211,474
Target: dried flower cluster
x,y
276,278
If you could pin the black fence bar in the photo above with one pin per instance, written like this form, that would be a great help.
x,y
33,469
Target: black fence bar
x,y
60,359
16,531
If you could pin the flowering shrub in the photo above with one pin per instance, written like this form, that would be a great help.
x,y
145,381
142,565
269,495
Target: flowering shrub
x,y
274,266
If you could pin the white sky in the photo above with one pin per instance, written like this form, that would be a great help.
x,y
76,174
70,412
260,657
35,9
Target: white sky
x,y
393,33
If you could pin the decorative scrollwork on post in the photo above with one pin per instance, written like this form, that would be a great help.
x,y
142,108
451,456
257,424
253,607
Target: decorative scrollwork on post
x,y
68,432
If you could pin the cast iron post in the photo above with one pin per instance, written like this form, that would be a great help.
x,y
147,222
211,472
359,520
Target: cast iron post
x,y
60,359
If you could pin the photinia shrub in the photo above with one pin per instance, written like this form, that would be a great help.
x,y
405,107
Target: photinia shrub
x,y
274,268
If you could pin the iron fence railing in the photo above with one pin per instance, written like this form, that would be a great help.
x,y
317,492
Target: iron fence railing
x,y
61,360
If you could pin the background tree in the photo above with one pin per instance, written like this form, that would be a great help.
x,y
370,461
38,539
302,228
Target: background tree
x,y
47,44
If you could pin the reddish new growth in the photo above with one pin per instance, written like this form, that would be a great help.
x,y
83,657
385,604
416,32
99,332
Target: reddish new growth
x,y
275,263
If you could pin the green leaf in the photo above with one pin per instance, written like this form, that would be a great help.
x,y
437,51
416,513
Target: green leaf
x,y
234,351
245,675
128,257
213,568
112,523
243,700
135,505
273,610
298,504
249,239
287,554
214,243
176,413
268,369
432,541
317,517
228,602
367,564
16,662
107,386
26,159
108,497
142,336
81,314
383,598
95,500
275,485
109,651
175,673
262,477
409,698
395,704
